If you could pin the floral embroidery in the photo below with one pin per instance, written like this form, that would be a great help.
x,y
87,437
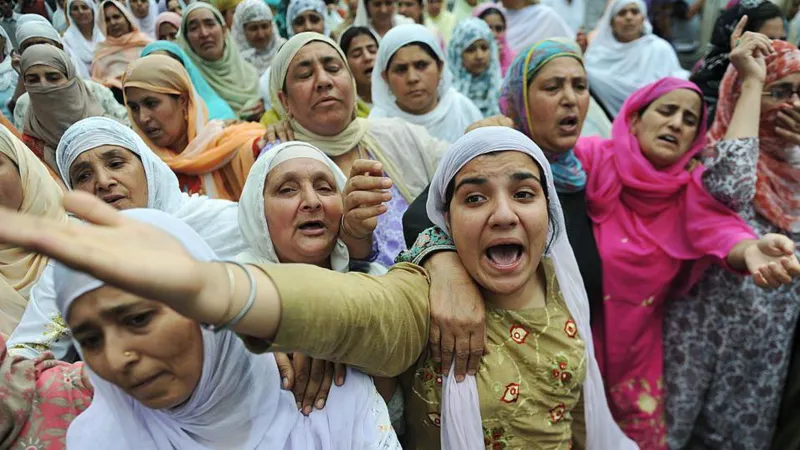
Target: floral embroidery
x,y
557,413
435,419
511,394
571,328
495,438
430,376
560,370
519,333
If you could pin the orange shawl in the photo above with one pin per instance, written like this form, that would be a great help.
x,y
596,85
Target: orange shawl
x,y
219,152
112,56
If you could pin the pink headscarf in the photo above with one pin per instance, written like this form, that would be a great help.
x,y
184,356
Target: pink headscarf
x,y
168,17
674,216
507,54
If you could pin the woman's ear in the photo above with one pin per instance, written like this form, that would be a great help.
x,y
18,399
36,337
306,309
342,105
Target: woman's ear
x,y
635,121
284,99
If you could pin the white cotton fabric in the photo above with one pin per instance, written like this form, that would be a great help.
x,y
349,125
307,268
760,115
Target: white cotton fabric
x,y
36,26
82,48
454,112
572,11
215,220
601,430
8,76
60,19
252,214
617,70
362,19
297,7
238,403
146,25
534,23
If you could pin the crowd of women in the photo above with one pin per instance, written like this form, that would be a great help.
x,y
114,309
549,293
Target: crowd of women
x,y
381,224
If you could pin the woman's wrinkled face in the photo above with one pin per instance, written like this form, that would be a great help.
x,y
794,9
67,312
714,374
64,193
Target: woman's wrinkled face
x,y
781,92
116,23
10,184
628,23
303,208
411,9
44,77
175,6
112,174
318,90
498,219
413,77
81,13
361,57
151,352
476,57
308,21
558,100
140,8
774,29
167,32
381,12
258,34
161,117
205,34
667,127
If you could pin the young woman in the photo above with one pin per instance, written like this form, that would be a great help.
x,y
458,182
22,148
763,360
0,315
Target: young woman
x,y
361,48
145,12
255,34
472,56
626,55
494,16
83,34
123,44
167,25
209,45
411,81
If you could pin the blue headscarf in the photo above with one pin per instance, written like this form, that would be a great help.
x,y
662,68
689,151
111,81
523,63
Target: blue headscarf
x,y
217,107
483,89
568,173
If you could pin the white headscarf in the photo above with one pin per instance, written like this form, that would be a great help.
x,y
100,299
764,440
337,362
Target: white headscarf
x,y
297,7
460,409
148,24
237,403
534,23
362,19
252,214
617,69
250,11
454,112
215,220
8,76
59,19
572,11
36,26
81,48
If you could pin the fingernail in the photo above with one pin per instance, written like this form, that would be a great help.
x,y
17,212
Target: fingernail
x,y
339,380
307,410
320,403
285,383
459,378
299,406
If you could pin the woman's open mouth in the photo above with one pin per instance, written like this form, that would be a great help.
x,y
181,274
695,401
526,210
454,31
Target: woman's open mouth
x,y
569,124
505,257
312,228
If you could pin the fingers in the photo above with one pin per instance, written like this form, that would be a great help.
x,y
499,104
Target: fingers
x,y
319,369
362,198
283,134
737,32
341,373
462,356
365,213
767,275
325,388
93,210
285,369
790,136
366,166
477,344
448,351
270,136
434,341
791,265
302,371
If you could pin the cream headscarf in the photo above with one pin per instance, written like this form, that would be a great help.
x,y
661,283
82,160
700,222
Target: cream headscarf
x,y
19,268
234,79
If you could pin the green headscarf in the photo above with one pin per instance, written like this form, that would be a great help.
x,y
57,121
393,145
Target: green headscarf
x,y
234,79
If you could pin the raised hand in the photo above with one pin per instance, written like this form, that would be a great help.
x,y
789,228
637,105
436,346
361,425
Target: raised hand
x,y
748,56
788,123
365,195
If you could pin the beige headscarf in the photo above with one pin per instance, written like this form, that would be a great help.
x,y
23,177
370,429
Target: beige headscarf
x,y
55,108
356,132
41,196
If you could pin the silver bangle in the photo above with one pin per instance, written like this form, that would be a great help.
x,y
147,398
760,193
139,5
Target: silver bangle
x,y
251,299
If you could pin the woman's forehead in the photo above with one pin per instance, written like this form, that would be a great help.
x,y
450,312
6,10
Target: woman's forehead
x,y
502,163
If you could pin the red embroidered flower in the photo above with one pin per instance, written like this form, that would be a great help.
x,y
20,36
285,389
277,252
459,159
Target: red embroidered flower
x,y
519,334
570,328
511,394
565,377
497,433
562,365
427,376
556,374
498,446
439,380
557,413
435,419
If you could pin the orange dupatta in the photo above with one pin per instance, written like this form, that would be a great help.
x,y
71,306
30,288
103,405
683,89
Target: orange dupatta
x,y
218,152
112,56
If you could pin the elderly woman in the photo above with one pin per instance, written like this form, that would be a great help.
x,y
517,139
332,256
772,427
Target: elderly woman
x,y
145,13
379,16
123,45
762,17
209,45
626,55
494,16
216,106
537,290
210,158
167,25
411,81
472,56
254,33
361,48
165,387
319,102
741,379
27,187
83,34
50,80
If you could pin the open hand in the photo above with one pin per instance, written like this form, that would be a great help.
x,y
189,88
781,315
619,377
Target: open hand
x,y
788,123
772,261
